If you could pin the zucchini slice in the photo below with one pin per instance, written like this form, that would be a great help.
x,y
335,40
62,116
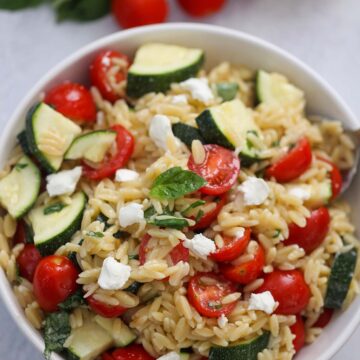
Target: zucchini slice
x,y
54,228
275,88
91,146
23,143
157,66
186,133
229,125
247,350
49,134
20,188
227,90
342,272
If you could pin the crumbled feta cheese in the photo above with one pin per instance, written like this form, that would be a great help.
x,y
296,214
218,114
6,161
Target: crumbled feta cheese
x,y
123,175
239,233
179,99
64,182
301,192
263,301
222,321
200,245
131,214
199,89
255,191
113,275
159,130
170,356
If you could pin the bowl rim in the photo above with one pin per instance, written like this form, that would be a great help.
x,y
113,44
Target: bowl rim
x,y
8,296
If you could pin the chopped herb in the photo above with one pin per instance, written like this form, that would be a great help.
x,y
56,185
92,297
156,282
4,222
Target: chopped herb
x,y
73,301
214,305
193,206
260,173
97,234
18,167
133,257
54,208
134,287
149,212
199,215
277,233
275,143
104,220
168,221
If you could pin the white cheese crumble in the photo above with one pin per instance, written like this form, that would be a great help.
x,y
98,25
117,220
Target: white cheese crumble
x,y
255,191
179,99
239,233
159,130
113,275
170,356
199,89
263,301
64,182
131,214
300,192
200,245
222,321
123,175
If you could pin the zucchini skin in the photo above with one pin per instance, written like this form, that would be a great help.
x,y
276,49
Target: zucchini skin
x,y
22,139
139,85
340,278
187,134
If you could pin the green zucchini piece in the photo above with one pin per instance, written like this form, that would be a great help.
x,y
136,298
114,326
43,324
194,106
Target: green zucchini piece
x,y
342,272
23,143
20,188
186,133
241,351
91,146
54,230
46,128
227,90
157,66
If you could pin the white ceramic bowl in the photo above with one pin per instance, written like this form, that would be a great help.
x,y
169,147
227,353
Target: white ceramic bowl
x,y
220,44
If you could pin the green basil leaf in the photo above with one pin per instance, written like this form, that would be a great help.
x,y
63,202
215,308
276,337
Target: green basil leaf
x,y
149,212
133,257
199,215
175,183
96,234
18,4
277,233
104,220
73,301
167,221
134,287
53,208
193,206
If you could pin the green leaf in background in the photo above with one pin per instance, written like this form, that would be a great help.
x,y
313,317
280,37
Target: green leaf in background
x,y
18,4
80,10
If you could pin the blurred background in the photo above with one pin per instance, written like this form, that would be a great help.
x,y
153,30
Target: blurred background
x,y
323,33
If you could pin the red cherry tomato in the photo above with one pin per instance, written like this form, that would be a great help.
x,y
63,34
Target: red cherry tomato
x,y
246,272
206,298
179,253
27,261
210,216
99,73
289,289
73,101
20,235
132,13
125,146
220,169
54,281
336,178
201,7
313,234
131,352
106,356
293,164
105,310
233,247
324,318
298,329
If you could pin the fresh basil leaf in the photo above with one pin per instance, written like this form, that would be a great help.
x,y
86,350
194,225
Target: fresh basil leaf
x,y
134,287
199,215
18,4
104,220
175,183
19,167
57,329
149,212
193,206
73,301
227,90
96,234
53,208
168,221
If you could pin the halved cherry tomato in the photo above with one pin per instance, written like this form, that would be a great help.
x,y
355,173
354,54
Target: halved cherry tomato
x,y
206,297
99,73
313,234
106,356
27,261
220,169
131,13
289,289
73,101
105,310
293,164
125,146
131,352
210,216
324,318
201,7
54,281
20,235
233,247
335,177
298,329
246,272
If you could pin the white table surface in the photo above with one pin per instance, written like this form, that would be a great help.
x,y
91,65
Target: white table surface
x,y
323,33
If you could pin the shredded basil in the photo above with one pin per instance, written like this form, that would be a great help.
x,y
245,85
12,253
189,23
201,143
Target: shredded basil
x,y
168,221
73,301
277,233
54,208
96,234
193,206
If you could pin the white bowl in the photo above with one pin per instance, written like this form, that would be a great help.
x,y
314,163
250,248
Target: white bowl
x,y
220,44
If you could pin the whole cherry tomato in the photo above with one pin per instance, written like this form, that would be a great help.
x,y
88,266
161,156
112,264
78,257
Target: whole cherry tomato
x,y
298,329
324,318
105,310
335,177
131,352
201,7
27,261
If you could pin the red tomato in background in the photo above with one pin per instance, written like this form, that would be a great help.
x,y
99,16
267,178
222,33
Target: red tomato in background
x,y
220,169
246,272
233,247
293,164
125,147
206,298
298,329
105,310
27,261
131,352
289,289
324,318
313,234
54,281
201,7
131,13
73,101
99,73
336,178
